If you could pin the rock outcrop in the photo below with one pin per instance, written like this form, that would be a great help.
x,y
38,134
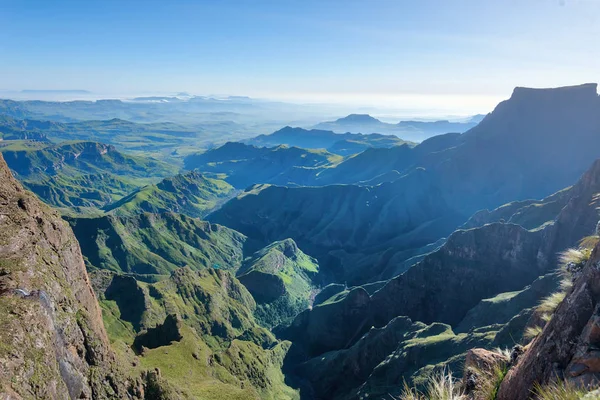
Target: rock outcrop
x,y
53,343
568,346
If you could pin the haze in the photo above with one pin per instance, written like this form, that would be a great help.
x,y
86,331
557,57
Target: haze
x,y
445,57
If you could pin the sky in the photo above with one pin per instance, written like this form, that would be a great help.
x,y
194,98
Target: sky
x,y
420,52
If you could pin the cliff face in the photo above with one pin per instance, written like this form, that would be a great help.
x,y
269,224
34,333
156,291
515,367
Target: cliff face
x,y
568,346
53,344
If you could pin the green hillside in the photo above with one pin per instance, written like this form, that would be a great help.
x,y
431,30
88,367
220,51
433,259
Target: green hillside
x,y
150,245
197,329
280,277
191,194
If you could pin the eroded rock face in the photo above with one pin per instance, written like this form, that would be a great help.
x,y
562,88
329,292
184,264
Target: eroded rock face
x,y
53,344
567,347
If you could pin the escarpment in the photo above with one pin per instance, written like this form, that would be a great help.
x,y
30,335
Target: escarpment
x,y
567,348
53,344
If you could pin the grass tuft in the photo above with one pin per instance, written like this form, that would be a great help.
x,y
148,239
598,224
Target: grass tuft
x,y
558,390
532,332
440,386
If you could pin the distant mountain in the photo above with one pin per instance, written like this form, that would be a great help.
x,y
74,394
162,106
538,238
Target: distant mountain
x,y
342,144
191,194
243,165
415,131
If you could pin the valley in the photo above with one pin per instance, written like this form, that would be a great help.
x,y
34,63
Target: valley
x,y
341,262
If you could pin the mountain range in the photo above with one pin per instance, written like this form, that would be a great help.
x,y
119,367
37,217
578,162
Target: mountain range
x,y
271,271
415,131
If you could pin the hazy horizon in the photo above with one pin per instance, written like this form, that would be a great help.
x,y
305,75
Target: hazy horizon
x,y
435,57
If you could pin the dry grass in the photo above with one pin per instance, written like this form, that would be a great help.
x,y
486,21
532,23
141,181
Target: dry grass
x,y
559,390
440,386
532,332
489,386
589,242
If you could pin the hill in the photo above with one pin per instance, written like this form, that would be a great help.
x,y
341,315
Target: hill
x,y
280,277
80,176
73,158
339,224
191,194
196,329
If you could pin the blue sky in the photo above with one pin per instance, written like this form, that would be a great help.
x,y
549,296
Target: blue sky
x,y
462,50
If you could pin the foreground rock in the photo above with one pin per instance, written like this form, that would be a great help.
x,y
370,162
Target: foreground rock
x,y
53,343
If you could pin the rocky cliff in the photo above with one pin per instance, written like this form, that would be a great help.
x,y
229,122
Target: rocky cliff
x,y
53,344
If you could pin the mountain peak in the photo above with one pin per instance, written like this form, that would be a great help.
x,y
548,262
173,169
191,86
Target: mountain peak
x,y
358,118
577,92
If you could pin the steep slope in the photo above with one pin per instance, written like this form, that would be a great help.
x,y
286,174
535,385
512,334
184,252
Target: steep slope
x,y
53,342
156,244
344,222
244,165
342,144
483,282
81,191
191,194
280,278
567,347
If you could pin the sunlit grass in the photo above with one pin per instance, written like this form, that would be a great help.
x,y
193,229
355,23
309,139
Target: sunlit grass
x,y
559,390
440,386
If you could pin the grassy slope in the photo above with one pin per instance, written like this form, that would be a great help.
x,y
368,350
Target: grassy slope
x,y
192,194
223,353
156,244
280,265
80,177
